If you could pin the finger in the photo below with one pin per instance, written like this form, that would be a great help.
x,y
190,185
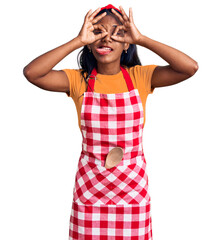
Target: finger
x,y
118,29
125,17
131,15
117,38
99,30
95,20
99,26
101,35
118,15
94,14
88,13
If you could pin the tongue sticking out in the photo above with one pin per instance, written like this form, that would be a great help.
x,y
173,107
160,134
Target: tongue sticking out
x,y
103,50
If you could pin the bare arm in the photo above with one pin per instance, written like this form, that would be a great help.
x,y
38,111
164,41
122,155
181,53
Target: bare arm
x,y
39,71
180,67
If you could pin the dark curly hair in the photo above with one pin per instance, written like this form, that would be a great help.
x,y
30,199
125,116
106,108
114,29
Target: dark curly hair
x,y
87,62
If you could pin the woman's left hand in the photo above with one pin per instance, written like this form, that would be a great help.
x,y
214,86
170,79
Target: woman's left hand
x,y
131,33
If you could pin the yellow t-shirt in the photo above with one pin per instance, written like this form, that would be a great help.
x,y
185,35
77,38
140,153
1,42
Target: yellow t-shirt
x,y
140,76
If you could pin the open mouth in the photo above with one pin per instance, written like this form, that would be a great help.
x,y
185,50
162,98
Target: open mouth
x,y
102,50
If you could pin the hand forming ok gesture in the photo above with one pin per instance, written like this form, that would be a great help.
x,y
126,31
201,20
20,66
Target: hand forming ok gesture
x,y
86,35
131,33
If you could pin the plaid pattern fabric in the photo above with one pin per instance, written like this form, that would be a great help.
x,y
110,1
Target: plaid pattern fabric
x,y
111,203
109,222
110,120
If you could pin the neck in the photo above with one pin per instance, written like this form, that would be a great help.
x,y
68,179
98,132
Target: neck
x,y
108,69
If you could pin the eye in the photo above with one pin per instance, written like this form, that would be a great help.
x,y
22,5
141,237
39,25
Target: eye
x,y
97,31
120,33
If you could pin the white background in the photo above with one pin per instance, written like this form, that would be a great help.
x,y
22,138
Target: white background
x,y
41,141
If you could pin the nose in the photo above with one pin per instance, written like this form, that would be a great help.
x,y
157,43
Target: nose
x,y
107,38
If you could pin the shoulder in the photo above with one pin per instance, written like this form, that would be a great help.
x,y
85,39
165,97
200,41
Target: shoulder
x,y
76,80
141,76
72,72
75,76
141,71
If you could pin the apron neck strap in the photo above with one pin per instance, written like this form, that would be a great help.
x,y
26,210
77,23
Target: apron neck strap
x,y
92,78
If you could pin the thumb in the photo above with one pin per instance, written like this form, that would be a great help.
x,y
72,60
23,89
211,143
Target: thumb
x,y
100,35
117,38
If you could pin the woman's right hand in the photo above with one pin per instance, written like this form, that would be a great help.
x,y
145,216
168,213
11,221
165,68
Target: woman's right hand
x,y
86,35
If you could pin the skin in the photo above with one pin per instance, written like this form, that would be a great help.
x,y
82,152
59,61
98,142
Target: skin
x,y
180,66
99,30
110,63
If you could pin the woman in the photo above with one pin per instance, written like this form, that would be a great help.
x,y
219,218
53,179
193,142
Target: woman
x,y
110,91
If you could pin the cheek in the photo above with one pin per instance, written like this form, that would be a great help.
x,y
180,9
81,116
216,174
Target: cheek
x,y
120,47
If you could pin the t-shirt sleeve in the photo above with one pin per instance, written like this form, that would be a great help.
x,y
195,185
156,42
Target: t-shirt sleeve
x,y
143,76
73,77
146,73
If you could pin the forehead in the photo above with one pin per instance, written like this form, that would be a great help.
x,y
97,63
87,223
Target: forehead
x,y
109,21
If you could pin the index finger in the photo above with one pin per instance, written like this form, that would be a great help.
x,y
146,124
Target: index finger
x,y
99,26
96,19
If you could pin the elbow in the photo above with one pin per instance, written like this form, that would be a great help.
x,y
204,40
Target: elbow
x,y
27,74
194,69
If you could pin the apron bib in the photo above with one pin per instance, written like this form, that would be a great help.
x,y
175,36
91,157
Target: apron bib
x,y
111,203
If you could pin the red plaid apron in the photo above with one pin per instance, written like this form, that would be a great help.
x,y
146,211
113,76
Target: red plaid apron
x,y
111,204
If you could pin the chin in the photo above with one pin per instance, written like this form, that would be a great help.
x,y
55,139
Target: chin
x,y
105,59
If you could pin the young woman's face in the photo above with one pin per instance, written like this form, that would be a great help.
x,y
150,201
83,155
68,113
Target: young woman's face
x,y
106,50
